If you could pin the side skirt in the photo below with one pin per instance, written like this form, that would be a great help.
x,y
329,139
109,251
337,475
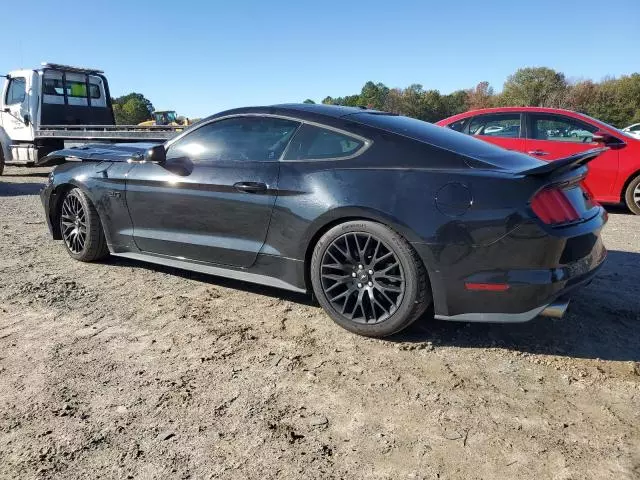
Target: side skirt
x,y
207,269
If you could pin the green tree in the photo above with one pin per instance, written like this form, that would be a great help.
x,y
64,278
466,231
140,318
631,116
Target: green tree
x,y
535,87
454,103
308,100
373,95
132,109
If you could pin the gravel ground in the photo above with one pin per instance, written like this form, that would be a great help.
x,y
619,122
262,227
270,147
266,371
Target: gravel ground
x,y
125,370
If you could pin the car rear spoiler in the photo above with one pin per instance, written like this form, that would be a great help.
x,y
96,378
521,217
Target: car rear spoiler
x,y
98,152
557,167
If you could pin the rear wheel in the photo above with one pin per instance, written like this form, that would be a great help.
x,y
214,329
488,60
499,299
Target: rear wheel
x,y
369,279
81,228
632,195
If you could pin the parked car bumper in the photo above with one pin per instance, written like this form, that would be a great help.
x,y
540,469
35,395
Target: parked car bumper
x,y
530,269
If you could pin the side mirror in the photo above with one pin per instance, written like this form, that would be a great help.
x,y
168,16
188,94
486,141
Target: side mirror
x,y
604,138
156,154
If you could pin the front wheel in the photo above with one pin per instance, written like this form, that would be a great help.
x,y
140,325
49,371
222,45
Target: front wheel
x,y
81,228
369,279
632,195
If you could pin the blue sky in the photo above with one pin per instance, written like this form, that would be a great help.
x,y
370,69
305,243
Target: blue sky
x,y
215,55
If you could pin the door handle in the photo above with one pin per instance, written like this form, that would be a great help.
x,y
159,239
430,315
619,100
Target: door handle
x,y
250,187
537,152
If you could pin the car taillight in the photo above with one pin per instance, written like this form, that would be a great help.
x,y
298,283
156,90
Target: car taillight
x,y
552,206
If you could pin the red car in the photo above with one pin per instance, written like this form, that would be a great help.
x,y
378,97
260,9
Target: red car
x,y
551,133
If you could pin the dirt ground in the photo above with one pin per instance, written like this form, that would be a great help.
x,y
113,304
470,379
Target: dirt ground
x,y
127,370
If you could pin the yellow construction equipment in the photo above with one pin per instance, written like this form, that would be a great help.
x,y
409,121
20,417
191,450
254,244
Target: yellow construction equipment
x,y
167,118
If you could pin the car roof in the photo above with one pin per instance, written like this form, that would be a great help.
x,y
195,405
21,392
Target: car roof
x,y
484,111
308,111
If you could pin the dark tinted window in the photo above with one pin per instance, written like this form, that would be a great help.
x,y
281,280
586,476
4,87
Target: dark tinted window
x,y
54,86
459,125
498,125
239,138
447,139
559,128
17,91
313,142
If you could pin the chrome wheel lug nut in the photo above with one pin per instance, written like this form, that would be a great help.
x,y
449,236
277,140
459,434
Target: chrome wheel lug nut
x,y
370,284
359,285
360,267
370,272
353,274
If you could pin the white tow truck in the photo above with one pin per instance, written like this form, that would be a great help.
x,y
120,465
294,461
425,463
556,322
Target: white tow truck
x,y
45,108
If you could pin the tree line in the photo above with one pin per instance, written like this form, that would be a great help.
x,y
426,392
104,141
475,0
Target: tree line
x,y
613,100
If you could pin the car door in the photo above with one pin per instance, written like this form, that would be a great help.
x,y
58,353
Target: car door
x,y
212,199
502,129
552,136
16,109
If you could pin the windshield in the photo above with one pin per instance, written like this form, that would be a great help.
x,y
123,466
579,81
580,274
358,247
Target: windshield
x,y
610,127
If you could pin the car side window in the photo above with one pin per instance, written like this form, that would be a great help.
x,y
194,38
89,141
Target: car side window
x,y
505,125
458,126
17,91
316,143
560,129
250,138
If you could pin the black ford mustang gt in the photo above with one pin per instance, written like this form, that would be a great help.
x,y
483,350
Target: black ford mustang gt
x,y
378,215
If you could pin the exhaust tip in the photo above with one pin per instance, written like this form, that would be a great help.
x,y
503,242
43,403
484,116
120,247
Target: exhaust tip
x,y
555,309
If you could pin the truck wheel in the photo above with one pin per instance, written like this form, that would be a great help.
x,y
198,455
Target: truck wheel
x,y
1,160
369,279
81,228
632,195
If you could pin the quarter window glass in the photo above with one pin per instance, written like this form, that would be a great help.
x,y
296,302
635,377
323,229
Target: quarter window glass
x,y
560,129
504,125
457,126
635,128
317,143
240,138
17,91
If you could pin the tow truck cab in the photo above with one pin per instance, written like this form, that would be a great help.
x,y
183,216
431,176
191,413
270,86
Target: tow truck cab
x,y
53,95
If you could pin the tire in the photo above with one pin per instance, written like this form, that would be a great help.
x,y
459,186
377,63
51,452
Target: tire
x,y
400,293
1,161
632,195
81,228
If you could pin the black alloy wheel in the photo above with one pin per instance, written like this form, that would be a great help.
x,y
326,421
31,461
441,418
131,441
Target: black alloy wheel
x,y
369,279
73,222
80,227
362,278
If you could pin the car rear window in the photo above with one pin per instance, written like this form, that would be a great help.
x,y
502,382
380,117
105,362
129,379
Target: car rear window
x,y
446,139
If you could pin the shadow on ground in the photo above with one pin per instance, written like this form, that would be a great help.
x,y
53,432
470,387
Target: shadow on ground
x,y
603,321
592,328
10,189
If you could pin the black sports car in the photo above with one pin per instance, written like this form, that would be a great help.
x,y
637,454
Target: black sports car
x,y
377,214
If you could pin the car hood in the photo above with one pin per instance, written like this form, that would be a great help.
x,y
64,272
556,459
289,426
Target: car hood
x,y
98,152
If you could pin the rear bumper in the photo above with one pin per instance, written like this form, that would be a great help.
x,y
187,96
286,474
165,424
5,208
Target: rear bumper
x,y
537,266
